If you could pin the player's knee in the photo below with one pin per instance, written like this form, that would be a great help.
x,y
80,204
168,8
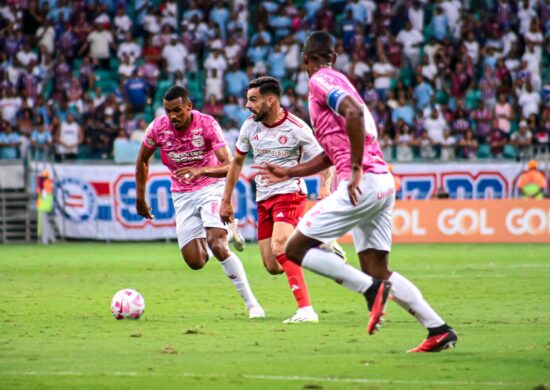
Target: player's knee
x,y
195,263
274,269
219,248
294,254
278,247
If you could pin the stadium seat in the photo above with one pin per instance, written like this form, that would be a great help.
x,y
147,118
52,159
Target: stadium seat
x,y
107,86
510,151
484,151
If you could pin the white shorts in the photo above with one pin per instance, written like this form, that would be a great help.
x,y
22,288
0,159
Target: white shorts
x,y
196,211
370,221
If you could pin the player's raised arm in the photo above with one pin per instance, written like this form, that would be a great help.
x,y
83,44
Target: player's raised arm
x,y
142,172
226,209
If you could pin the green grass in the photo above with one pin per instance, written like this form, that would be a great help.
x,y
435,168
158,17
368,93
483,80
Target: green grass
x,y
56,329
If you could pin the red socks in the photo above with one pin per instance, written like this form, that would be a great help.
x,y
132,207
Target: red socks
x,y
296,281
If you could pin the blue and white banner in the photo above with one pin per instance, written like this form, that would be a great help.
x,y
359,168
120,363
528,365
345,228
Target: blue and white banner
x,y
98,201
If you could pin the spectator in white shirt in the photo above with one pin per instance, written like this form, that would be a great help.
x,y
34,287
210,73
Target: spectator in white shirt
x,y
130,48
416,16
382,72
100,41
126,68
435,125
529,100
174,56
46,36
122,23
358,67
411,40
25,55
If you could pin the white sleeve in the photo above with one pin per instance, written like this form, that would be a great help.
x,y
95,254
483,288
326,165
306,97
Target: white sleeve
x,y
242,146
310,146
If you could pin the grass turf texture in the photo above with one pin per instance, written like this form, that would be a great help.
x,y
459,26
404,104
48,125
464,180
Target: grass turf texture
x,y
56,329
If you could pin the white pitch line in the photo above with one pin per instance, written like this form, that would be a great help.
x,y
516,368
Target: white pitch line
x,y
269,378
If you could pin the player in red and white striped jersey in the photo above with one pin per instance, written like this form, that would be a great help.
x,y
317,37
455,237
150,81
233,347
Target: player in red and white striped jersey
x,y
276,136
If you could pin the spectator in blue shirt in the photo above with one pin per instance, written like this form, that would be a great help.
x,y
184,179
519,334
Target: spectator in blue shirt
x,y
276,62
261,35
422,93
41,142
257,52
312,7
440,24
359,11
348,28
136,91
236,81
220,16
403,111
231,109
281,24
9,143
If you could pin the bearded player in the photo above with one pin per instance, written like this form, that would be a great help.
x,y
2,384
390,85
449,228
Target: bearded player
x,y
194,150
275,135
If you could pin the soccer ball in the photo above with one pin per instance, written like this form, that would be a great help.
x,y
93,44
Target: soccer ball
x,y
127,303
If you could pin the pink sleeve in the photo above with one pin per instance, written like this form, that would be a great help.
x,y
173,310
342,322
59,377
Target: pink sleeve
x,y
150,140
214,134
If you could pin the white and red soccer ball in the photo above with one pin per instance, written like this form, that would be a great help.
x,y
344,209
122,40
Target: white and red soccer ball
x,y
127,303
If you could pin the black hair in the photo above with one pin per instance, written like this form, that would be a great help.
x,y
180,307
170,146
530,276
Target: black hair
x,y
266,84
176,91
319,46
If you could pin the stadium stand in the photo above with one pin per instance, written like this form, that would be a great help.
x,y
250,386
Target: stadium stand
x,y
445,80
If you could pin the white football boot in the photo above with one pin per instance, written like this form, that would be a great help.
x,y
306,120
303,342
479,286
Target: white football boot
x,y
304,314
256,312
235,237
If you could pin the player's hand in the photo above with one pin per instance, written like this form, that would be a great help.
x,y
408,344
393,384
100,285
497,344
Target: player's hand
x,y
226,212
353,185
187,173
323,193
143,209
271,173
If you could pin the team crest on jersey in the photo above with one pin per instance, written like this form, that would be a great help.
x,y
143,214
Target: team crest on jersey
x,y
283,139
197,141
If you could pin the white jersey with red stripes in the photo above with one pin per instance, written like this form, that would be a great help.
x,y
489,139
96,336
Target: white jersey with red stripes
x,y
286,143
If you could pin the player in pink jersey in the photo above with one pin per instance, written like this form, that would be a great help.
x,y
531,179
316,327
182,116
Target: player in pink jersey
x,y
275,135
363,202
194,150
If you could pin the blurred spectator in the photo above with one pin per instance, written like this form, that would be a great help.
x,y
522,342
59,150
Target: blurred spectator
x,y
435,125
129,48
41,142
174,54
135,89
468,145
529,100
404,140
411,40
448,146
497,140
139,133
100,42
10,141
382,72
68,138
426,146
522,140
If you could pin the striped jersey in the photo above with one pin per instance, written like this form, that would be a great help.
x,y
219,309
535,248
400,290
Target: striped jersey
x,y
286,143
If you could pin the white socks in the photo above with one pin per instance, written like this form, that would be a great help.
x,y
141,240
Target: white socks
x,y
234,270
410,298
330,265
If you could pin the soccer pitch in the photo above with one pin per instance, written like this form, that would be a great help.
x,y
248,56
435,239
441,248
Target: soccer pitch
x,y
56,329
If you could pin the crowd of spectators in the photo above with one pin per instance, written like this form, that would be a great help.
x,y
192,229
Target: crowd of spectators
x,y
444,79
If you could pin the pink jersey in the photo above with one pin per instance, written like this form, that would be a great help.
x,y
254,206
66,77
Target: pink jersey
x,y
327,89
192,147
